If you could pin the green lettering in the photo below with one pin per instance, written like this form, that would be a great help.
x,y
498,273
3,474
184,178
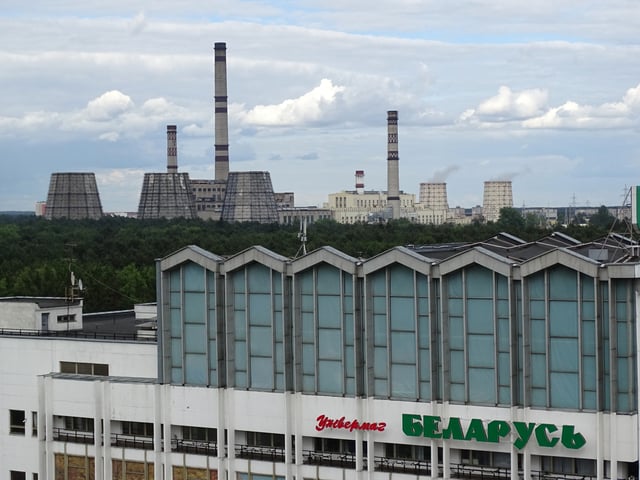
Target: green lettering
x,y
497,429
430,424
476,431
453,430
571,439
411,425
542,436
524,433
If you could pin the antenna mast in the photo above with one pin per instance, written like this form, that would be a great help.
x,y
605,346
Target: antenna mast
x,y
302,236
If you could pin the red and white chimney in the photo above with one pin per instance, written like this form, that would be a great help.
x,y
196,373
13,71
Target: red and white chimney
x,y
393,176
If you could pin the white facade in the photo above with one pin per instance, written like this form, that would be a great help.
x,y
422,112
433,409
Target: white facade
x,y
53,314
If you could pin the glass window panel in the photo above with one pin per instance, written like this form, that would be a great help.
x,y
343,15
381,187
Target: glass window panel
x,y
423,306
589,373
482,385
535,284
589,338
260,308
481,350
538,397
538,309
623,339
329,344
479,316
328,279
504,339
196,371
380,330
623,374
174,280
308,383
380,387
588,311
562,284
423,332
504,369
589,400
195,338
623,403
306,303
425,365
262,375
176,322
308,328
348,329
308,359
456,333
455,307
241,355
564,390
403,347
504,395
380,362
194,307
538,336
377,283
563,319
239,301
587,287
457,366
403,381
538,371
213,355
422,285
259,278
276,282
240,325
380,305
456,391
502,308
175,299
454,285
176,375
329,311
563,355
349,360
479,282
261,341
502,286
176,352
305,282
241,379
402,314
194,276
401,280
329,376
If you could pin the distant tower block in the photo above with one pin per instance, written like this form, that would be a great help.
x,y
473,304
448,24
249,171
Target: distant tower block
x,y
497,195
434,195
221,124
167,195
393,176
249,198
359,181
73,196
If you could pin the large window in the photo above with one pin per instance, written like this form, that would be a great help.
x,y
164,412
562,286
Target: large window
x,y
261,439
81,424
101,369
138,429
17,422
199,434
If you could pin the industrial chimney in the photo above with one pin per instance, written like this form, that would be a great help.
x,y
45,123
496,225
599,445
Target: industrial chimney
x,y
359,181
393,177
220,117
172,149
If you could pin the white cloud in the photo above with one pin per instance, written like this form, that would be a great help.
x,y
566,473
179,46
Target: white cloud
x,y
110,136
305,109
508,106
108,105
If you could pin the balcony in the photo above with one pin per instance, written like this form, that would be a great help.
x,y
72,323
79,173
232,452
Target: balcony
x,y
198,447
268,454
402,465
329,459
73,436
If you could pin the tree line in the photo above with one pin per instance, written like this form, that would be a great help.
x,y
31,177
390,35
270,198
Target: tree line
x,y
115,256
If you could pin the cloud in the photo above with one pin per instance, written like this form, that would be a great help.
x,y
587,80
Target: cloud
x,y
108,105
508,106
138,24
308,108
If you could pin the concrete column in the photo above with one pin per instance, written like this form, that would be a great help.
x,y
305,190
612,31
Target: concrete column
x,y
98,464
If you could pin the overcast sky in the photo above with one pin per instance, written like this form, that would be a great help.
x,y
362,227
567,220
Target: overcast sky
x,y
545,93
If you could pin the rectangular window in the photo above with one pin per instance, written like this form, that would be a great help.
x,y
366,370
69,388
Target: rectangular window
x,y
199,433
137,429
34,424
17,421
66,318
80,424
15,475
101,369
260,439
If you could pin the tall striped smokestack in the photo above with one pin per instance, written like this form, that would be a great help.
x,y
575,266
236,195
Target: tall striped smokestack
x,y
220,118
393,176
172,149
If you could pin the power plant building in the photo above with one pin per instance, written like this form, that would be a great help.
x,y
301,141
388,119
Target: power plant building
x,y
501,359
73,195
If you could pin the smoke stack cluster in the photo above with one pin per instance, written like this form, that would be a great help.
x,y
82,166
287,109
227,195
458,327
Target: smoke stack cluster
x,y
393,176
172,149
220,109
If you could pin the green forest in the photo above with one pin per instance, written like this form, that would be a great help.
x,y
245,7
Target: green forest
x,y
115,256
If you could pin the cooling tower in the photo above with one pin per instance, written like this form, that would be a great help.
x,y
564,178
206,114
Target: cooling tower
x,y
434,195
497,195
74,196
167,195
220,116
393,176
249,198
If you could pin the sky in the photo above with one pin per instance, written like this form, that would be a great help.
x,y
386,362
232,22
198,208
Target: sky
x,y
543,93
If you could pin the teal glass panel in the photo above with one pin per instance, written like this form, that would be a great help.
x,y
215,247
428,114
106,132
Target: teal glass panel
x,y
380,388
237,279
479,282
240,326
623,374
175,299
276,282
535,284
377,283
564,390
504,338
456,333
479,316
195,368
195,338
457,366
262,374
328,279
624,403
241,379
589,401
504,369
307,303
538,336
308,329
305,282
380,305
456,392
538,309
278,351
588,310
402,313
425,391
239,301
422,285
194,277
562,284
481,351
502,286
309,383
278,326
455,307
259,278
538,371
403,347
589,338
589,373
380,362
482,385
587,287
329,344
174,280
403,381
241,355
423,306
212,326
401,280
176,352
425,364
261,341
213,355
454,285
176,322
538,397
329,311
347,284
260,308
176,376
423,333
623,339
194,308
502,308
329,376
348,329
349,361
308,359
563,355
504,395
563,319
380,330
